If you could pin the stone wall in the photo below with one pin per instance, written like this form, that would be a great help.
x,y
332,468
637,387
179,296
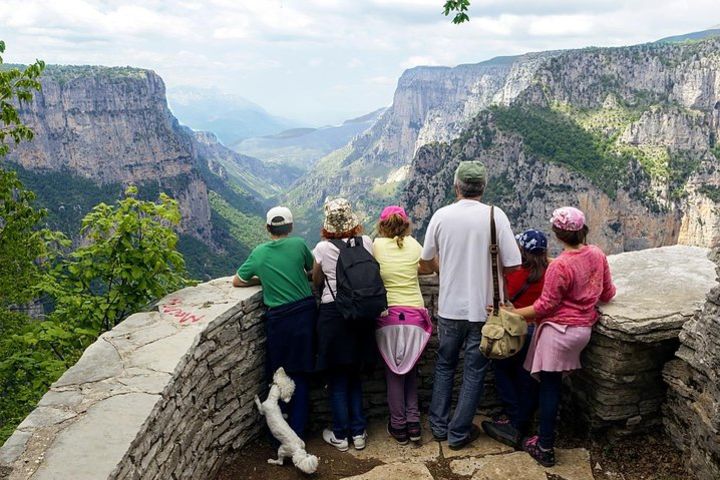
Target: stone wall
x,y
692,411
374,387
168,394
164,395
620,389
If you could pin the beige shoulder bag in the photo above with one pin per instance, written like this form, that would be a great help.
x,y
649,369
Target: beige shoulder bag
x,y
503,334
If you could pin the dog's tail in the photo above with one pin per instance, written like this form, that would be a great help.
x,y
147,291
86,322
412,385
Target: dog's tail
x,y
305,462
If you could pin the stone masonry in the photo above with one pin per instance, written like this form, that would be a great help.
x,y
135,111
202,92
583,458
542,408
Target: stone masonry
x,y
692,411
620,387
164,395
168,394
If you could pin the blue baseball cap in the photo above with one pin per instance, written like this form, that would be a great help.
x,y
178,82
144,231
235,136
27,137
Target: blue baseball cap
x,y
532,241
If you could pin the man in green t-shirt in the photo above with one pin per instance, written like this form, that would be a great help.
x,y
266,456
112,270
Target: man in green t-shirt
x,y
281,266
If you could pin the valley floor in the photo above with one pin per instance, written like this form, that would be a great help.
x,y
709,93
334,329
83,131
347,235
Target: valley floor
x,y
648,457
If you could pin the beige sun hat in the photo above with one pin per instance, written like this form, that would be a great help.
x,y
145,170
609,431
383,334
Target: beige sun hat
x,y
339,216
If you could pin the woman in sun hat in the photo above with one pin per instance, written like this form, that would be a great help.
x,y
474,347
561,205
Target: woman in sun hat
x,y
345,347
575,282
404,330
516,388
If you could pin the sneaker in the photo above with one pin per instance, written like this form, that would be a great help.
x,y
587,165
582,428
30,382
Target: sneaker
x,y
546,458
329,436
472,436
503,432
359,441
399,434
414,431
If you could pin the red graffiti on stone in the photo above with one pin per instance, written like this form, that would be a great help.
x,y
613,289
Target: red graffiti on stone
x,y
174,308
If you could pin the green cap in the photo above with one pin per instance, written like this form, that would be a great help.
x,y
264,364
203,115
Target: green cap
x,y
471,171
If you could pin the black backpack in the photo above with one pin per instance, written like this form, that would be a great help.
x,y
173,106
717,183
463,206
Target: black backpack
x,y
360,294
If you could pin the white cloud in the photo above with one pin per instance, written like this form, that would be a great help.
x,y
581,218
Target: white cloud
x,y
315,59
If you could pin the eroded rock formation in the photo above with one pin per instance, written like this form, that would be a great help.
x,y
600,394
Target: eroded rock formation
x,y
692,411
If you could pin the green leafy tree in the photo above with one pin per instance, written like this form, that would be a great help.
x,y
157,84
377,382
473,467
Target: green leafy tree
x,y
16,87
130,259
22,249
458,8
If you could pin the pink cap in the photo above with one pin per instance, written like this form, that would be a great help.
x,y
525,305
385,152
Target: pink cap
x,y
568,218
393,210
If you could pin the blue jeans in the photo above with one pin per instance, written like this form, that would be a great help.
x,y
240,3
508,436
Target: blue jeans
x,y
453,334
516,388
345,390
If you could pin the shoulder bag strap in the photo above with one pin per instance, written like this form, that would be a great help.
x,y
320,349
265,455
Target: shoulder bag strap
x,y
494,261
520,292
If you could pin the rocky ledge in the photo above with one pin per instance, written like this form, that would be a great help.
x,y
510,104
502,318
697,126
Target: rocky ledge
x,y
163,395
692,410
621,387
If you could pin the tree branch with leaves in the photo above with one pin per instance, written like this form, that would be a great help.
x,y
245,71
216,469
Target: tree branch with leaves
x,y
459,9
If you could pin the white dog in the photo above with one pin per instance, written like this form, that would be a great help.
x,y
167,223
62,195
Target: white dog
x,y
291,446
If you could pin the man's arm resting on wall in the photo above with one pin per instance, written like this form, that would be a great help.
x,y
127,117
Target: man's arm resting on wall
x,y
429,266
239,282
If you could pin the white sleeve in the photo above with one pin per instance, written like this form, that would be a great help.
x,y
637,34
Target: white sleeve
x,y
319,252
430,245
509,250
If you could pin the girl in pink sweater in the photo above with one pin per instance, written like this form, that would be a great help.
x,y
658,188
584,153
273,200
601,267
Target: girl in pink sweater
x,y
575,282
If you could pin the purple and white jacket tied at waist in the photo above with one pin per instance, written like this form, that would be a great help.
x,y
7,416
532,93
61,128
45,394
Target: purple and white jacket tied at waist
x,y
402,335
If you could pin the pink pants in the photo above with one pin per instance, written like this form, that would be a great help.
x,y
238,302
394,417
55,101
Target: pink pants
x,y
402,397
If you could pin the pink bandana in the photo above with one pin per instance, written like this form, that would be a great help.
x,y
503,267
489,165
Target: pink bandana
x,y
568,218
393,210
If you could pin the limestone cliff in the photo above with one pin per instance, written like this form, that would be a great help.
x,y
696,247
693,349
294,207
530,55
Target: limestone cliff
x,y
112,125
628,134
647,117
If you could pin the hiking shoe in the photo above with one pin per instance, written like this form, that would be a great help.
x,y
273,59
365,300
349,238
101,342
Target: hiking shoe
x,y
503,432
414,431
329,437
359,441
439,438
546,458
399,434
472,436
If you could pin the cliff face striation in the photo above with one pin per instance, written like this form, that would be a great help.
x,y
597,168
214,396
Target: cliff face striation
x,y
98,129
112,125
430,104
629,134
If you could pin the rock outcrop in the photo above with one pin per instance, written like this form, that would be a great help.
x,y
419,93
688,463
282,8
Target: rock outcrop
x,y
692,410
649,113
112,125
620,388
628,134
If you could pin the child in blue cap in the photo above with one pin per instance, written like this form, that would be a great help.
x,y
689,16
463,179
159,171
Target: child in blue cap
x,y
518,391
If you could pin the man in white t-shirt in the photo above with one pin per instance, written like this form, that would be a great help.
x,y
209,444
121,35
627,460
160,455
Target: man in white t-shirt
x,y
457,242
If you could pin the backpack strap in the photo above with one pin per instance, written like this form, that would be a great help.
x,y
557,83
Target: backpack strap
x,y
494,262
340,245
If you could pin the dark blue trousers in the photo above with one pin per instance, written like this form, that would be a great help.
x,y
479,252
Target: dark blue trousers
x,y
299,406
517,389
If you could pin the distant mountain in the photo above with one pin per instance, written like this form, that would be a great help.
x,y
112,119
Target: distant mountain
x,y
712,32
99,129
629,134
232,118
302,147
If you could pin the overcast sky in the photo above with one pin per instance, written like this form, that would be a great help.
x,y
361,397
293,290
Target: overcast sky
x,y
322,61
